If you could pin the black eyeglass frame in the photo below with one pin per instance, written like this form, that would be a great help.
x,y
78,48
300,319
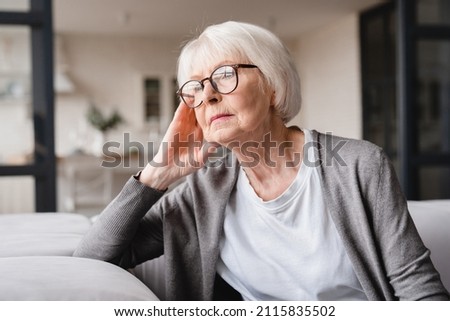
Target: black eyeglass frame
x,y
213,83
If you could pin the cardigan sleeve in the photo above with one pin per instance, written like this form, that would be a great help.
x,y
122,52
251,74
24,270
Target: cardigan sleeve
x,y
406,259
120,235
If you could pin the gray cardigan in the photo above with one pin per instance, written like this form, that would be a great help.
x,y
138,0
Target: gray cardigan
x,y
361,192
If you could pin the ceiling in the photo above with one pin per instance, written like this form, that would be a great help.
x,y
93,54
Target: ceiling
x,y
178,18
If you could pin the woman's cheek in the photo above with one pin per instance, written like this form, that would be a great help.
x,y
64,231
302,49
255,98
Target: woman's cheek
x,y
200,116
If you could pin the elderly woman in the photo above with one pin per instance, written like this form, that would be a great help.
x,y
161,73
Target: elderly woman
x,y
285,214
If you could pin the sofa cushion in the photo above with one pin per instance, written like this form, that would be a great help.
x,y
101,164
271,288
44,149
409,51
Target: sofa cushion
x,y
41,234
67,279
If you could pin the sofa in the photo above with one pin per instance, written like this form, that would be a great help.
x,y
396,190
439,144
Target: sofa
x,y
36,262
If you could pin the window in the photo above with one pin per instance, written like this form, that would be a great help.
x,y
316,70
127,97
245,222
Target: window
x,y
159,102
405,59
16,121
152,89
26,97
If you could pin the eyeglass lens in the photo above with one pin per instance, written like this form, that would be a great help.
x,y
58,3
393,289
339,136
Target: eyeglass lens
x,y
223,80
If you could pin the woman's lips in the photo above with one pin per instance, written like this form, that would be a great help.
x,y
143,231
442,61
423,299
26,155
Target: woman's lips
x,y
219,117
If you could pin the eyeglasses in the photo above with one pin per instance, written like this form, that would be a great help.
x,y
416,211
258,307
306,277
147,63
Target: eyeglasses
x,y
223,79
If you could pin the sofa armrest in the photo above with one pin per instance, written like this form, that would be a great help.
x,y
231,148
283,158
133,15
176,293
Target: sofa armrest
x,y
58,278
432,219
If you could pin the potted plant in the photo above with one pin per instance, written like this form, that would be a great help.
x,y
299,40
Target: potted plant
x,y
103,124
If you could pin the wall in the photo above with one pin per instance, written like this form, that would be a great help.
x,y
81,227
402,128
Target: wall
x,y
328,64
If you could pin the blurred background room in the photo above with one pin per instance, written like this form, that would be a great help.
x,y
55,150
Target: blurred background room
x,y
78,74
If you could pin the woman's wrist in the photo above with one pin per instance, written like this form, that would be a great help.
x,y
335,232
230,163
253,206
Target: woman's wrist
x,y
154,178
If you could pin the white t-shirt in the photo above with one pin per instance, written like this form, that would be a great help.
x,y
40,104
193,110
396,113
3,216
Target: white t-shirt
x,y
287,248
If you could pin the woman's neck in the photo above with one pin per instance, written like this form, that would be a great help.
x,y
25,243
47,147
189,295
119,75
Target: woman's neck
x,y
272,162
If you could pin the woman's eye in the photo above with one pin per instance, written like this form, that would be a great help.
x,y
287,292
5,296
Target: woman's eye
x,y
197,89
224,75
228,74
192,89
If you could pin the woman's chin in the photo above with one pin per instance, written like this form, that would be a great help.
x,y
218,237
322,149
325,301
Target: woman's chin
x,y
223,136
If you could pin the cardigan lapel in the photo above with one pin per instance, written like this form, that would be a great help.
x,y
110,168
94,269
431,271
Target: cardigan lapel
x,y
215,191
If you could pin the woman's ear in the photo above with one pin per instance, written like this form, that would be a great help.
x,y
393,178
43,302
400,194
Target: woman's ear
x,y
272,99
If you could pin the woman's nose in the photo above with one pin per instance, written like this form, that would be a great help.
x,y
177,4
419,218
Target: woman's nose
x,y
210,95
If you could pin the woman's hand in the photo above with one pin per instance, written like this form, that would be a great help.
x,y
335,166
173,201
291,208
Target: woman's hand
x,y
180,152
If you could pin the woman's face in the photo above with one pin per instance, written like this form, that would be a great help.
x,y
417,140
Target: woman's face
x,y
240,116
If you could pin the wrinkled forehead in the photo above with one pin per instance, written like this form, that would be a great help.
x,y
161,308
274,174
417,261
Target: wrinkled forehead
x,y
200,58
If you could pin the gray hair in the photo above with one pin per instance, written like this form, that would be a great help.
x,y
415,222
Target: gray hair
x,y
251,44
